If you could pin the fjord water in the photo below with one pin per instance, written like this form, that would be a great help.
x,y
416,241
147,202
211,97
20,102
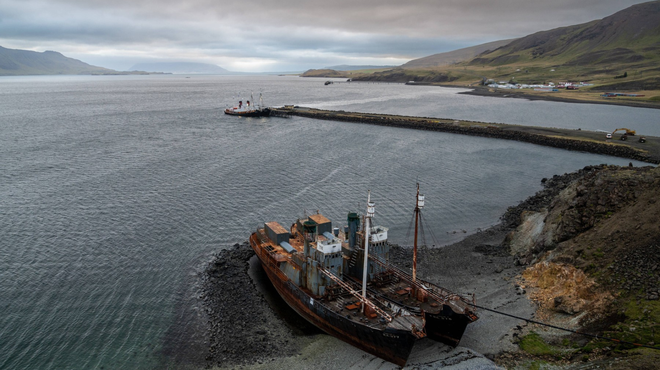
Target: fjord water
x,y
114,191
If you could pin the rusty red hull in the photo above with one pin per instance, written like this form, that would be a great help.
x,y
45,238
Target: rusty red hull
x,y
389,344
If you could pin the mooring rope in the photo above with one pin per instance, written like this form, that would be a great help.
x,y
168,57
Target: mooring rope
x,y
564,329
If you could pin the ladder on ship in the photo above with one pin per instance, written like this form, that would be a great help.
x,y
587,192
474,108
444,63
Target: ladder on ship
x,y
353,260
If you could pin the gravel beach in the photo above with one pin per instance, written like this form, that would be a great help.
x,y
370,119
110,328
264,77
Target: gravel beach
x,y
251,327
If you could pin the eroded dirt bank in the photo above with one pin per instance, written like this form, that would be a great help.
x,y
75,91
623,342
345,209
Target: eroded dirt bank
x,y
593,264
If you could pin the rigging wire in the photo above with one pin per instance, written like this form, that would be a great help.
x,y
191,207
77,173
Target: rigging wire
x,y
433,238
421,228
422,221
412,218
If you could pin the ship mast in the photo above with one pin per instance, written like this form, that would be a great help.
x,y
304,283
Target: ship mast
x,y
419,204
367,232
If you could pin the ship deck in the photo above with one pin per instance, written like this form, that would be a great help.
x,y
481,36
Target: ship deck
x,y
395,297
346,304
350,308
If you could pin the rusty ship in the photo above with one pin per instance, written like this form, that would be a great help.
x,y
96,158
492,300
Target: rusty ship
x,y
341,281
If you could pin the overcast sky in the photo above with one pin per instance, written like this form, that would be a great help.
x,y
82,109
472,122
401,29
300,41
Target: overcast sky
x,y
282,35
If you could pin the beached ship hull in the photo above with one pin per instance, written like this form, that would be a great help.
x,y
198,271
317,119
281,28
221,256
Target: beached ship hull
x,y
319,272
442,322
446,326
389,344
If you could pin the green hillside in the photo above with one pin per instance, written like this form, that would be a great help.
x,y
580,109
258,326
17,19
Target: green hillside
x,y
619,52
456,56
631,36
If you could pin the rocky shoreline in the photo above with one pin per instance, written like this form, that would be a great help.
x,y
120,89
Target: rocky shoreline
x,y
245,331
242,329
592,256
521,94
443,80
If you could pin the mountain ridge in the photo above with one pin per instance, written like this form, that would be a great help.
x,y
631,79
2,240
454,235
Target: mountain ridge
x,y
630,35
15,62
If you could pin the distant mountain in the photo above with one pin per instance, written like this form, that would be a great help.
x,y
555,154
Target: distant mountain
x,y
345,67
180,67
628,36
456,56
24,62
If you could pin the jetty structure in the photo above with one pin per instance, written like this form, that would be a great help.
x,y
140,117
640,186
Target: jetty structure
x,y
340,280
569,139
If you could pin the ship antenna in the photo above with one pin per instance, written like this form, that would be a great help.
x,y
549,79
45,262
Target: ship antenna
x,y
367,217
419,203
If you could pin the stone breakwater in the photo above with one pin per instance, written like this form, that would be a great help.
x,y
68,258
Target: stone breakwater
x,y
498,131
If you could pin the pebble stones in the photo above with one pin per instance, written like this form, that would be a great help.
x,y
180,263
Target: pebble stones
x,y
242,328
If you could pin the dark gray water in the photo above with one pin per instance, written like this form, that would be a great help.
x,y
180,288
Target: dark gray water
x,y
114,190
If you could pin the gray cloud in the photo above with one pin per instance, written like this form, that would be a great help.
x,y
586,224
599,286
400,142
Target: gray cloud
x,y
284,34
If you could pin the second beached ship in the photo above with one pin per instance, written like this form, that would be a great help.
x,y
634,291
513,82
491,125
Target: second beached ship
x,y
322,273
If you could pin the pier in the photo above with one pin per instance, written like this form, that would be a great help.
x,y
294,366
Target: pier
x,y
570,139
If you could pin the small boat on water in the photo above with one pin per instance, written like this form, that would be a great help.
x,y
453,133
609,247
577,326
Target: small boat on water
x,y
343,283
249,109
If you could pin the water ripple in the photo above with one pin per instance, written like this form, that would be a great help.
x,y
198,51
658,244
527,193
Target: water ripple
x,y
112,189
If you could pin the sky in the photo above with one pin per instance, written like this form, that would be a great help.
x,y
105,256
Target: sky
x,y
278,36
